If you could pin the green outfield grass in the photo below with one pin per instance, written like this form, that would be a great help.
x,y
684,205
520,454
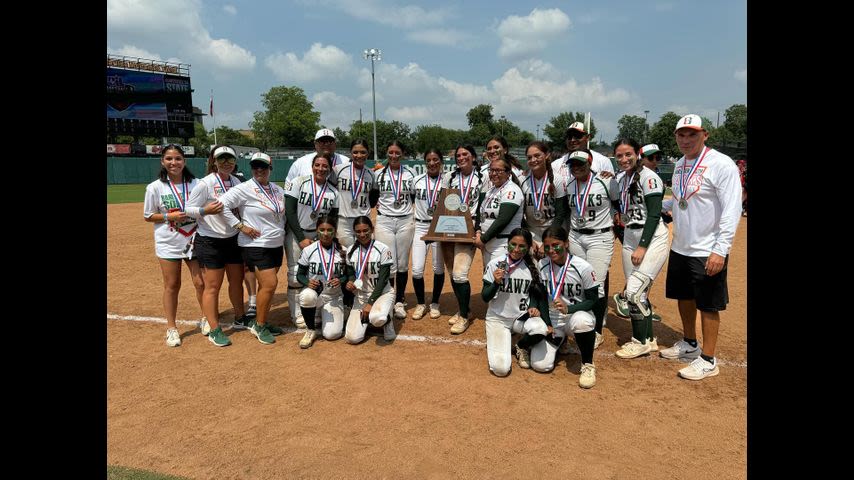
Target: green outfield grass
x,y
124,473
130,193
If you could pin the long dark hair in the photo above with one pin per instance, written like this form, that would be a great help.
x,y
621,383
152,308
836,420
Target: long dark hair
x,y
536,284
186,174
557,232
506,146
362,142
393,143
475,169
360,220
631,142
543,147
331,220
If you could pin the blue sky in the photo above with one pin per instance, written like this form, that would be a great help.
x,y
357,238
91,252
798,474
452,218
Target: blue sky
x,y
530,60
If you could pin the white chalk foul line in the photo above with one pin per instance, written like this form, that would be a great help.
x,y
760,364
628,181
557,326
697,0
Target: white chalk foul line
x,y
407,338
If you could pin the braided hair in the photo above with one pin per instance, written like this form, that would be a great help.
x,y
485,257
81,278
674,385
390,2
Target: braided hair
x,y
543,147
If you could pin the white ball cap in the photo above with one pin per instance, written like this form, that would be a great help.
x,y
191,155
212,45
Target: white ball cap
x,y
324,132
224,150
689,121
580,156
577,126
261,157
647,150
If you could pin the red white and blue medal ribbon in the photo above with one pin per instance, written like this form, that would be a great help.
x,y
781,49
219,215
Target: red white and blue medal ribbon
x,y
316,199
541,194
683,182
511,265
326,268
581,204
363,262
466,188
624,193
395,184
431,199
556,283
355,190
178,197
269,196
491,195
221,184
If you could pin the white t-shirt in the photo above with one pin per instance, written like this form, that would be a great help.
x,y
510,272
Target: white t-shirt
x,y
304,189
648,183
302,166
210,189
455,179
579,277
512,298
403,177
316,257
495,196
170,240
547,204
713,196
423,195
260,207
346,187
597,212
379,254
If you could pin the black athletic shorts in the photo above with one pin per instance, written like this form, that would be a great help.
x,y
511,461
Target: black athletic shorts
x,y
687,280
262,258
217,252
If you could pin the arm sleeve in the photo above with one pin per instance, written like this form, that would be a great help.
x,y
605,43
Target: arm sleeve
x,y
480,198
382,281
590,297
489,291
302,274
333,212
505,213
542,304
293,219
653,216
373,197
561,211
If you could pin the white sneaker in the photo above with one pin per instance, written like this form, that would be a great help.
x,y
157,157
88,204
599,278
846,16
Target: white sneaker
x,y
600,339
388,331
419,312
308,339
700,369
588,376
460,326
523,356
399,311
299,322
653,344
633,349
204,326
173,338
681,350
434,310
565,348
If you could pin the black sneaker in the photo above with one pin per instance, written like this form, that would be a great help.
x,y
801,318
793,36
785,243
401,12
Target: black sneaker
x,y
242,322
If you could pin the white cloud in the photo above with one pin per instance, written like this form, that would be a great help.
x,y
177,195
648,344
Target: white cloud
x,y
318,62
522,36
174,26
467,93
387,13
741,75
530,94
230,9
336,110
411,115
442,37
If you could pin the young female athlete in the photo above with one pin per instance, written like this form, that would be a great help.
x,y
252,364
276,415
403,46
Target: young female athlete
x,y
427,187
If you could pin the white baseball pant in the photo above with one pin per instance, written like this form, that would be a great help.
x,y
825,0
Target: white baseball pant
x,y
344,232
419,252
498,339
543,353
652,263
380,311
292,254
329,307
396,233
597,249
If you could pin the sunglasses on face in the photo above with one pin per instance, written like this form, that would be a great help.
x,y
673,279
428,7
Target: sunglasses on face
x,y
226,160
574,136
553,248
513,246
260,167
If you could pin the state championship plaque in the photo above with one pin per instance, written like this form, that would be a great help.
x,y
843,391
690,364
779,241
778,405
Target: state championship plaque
x,y
451,223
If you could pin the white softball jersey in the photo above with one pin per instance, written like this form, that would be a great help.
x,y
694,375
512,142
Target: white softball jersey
x,y
210,189
577,277
170,240
378,254
390,181
262,208
309,195
302,166
713,197
427,190
471,184
495,197
512,297
648,184
596,209
545,199
354,186
320,262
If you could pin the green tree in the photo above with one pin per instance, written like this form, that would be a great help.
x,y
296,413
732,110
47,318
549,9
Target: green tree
x,y
289,119
435,136
736,122
342,138
229,136
201,142
480,115
555,130
662,135
631,126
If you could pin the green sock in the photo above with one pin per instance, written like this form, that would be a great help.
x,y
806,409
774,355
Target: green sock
x,y
648,320
639,329
464,298
599,309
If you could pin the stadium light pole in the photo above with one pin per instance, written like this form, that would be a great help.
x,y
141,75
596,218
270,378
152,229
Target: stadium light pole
x,y
645,125
538,132
502,125
375,54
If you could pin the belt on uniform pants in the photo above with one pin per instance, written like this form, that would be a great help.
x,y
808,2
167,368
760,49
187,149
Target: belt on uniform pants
x,y
392,216
423,221
590,231
634,226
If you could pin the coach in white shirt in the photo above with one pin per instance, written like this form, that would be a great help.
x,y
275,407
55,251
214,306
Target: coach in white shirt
x,y
324,142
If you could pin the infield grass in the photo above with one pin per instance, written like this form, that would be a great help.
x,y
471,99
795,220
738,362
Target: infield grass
x,y
124,473
130,193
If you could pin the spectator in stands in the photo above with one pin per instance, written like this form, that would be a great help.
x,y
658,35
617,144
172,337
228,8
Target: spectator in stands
x,y
324,142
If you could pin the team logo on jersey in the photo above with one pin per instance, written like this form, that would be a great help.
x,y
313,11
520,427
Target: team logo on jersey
x,y
694,183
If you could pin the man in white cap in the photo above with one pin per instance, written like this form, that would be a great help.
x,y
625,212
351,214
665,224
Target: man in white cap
x,y
576,138
706,208
324,142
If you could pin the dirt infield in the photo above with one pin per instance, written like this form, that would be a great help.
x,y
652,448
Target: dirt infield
x,y
406,409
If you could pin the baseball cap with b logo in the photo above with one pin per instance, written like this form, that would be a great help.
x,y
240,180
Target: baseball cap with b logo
x,y
689,121
577,126
260,157
324,132
580,156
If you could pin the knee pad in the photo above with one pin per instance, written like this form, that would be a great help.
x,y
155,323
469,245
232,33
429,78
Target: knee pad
x,y
635,312
581,322
636,286
542,367
535,326
308,298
